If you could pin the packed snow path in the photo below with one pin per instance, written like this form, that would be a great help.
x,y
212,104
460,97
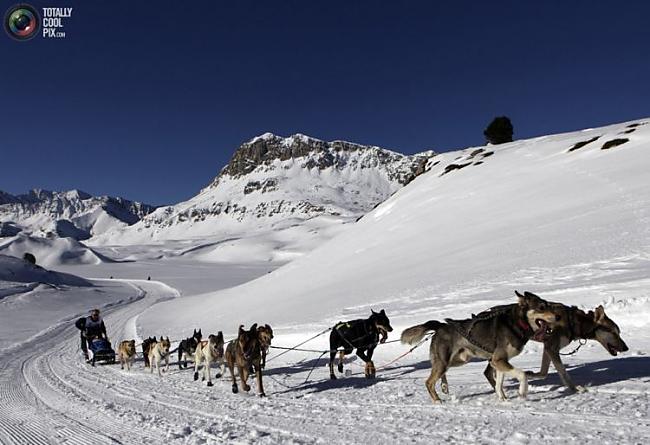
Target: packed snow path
x,y
48,395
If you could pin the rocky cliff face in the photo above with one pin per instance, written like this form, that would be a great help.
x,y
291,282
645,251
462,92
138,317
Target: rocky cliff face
x,y
74,213
273,180
263,150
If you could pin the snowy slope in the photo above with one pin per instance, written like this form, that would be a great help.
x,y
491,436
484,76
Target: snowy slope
x,y
273,184
476,232
72,213
16,270
51,252
571,226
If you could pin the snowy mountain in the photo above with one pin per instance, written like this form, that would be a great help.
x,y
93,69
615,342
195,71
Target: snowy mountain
x,y
482,222
73,214
274,183
565,216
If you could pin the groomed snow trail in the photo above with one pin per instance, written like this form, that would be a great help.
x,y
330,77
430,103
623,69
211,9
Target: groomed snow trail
x,y
48,395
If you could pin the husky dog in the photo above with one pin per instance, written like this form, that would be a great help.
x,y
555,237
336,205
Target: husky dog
x,y
209,352
245,352
264,335
126,353
157,352
188,348
360,334
496,335
593,325
146,345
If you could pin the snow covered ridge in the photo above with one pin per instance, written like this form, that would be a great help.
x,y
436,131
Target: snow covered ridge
x,y
463,236
265,149
273,183
51,252
16,270
73,213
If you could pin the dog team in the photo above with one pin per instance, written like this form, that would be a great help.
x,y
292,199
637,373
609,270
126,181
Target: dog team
x,y
496,335
247,352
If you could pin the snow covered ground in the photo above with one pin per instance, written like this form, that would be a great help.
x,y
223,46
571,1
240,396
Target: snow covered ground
x,y
571,226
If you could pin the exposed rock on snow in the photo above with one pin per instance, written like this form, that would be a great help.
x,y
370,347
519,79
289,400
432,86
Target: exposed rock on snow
x,y
272,183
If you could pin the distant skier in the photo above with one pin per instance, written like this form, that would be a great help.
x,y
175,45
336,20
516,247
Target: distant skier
x,y
90,327
148,278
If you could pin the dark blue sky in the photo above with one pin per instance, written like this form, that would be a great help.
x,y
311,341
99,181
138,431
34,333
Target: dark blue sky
x,y
148,99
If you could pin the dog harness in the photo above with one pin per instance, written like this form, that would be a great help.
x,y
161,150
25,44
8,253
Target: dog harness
x,y
494,312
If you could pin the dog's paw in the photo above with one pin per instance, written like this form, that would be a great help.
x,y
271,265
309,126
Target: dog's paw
x,y
579,388
246,388
217,376
235,390
262,394
445,388
209,383
196,376
203,379
340,367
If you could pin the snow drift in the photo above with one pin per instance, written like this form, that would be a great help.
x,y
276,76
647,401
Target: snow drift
x,y
51,251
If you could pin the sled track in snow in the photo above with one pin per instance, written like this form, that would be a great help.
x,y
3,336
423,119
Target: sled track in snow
x,y
48,395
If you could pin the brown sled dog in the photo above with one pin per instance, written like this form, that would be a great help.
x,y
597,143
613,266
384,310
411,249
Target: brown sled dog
x,y
264,335
244,352
497,337
575,325
126,353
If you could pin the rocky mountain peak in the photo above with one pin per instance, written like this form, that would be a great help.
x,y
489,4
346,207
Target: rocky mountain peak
x,y
267,148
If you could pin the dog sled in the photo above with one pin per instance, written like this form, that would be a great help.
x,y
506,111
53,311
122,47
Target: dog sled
x,y
100,351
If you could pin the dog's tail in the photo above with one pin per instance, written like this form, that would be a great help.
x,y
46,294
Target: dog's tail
x,y
414,334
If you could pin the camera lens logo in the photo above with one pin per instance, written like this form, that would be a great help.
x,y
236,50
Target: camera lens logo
x,y
22,22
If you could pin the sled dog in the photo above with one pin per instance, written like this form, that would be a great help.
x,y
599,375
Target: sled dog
x,y
244,352
187,348
264,335
208,352
126,353
146,345
496,335
576,325
157,352
362,335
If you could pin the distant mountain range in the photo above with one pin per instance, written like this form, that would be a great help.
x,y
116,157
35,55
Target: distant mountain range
x,y
73,214
274,182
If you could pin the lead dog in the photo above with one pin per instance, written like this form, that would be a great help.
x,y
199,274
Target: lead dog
x,y
496,336
126,353
157,352
593,325
208,352
244,352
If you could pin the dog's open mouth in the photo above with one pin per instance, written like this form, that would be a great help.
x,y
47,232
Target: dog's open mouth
x,y
612,349
543,330
383,334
